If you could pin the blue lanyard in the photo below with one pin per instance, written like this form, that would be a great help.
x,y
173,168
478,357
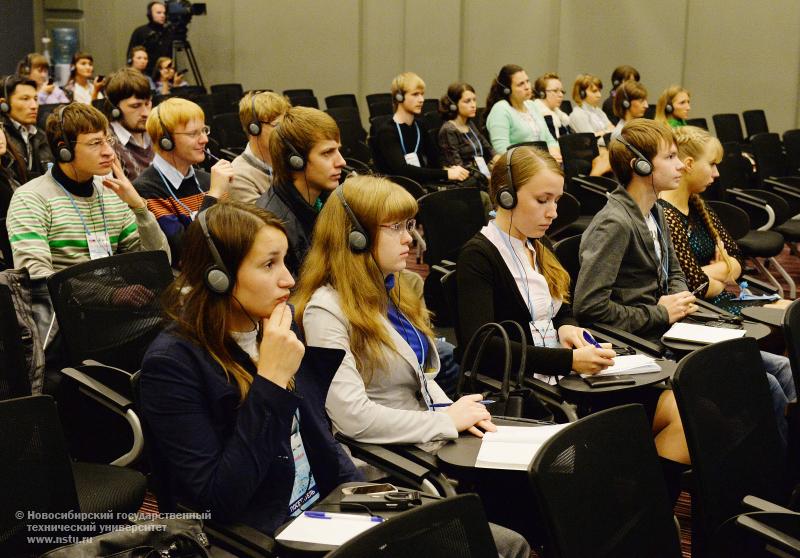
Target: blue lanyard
x,y
524,275
174,197
469,130
80,216
402,143
421,363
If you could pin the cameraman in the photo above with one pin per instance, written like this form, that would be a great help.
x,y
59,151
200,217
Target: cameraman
x,y
156,36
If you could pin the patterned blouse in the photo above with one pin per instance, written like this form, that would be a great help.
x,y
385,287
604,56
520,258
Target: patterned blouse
x,y
695,246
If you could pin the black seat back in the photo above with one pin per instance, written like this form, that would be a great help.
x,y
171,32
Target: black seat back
x,y
755,122
734,219
450,218
728,128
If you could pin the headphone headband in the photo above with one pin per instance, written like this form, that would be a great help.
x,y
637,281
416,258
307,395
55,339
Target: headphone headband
x,y
358,239
507,195
295,160
506,88
64,152
254,126
216,277
165,142
5,105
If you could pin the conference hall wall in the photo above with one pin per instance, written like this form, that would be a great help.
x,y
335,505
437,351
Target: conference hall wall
x,y
733,55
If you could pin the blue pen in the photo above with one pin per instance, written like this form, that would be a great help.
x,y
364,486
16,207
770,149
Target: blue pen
x,y
441,405
591,339
323,515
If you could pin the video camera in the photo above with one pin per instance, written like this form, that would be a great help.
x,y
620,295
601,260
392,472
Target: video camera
x,y
180,13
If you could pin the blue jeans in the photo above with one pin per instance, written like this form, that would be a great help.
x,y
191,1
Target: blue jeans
x,y
449,369
781,387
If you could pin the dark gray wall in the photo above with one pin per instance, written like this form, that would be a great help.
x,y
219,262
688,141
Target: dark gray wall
x,y
16,30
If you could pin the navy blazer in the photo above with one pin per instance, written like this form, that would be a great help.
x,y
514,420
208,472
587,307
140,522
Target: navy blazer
x,y
230,459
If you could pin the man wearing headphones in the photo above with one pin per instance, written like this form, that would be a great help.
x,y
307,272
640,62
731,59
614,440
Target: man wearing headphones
x,y
19,109
154,35
128,104
71,215
174,190
630,277
307,166
260,112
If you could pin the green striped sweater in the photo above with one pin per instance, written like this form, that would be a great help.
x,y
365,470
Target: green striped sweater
x,y
47,235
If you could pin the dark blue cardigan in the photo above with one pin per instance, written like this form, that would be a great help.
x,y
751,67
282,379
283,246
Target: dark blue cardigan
x,y
236,461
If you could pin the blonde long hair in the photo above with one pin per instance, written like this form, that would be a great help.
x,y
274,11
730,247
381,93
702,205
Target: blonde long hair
x,y
356,277
526,163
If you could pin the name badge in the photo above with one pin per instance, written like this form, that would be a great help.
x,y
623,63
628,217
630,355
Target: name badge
x,y
412,159
99,245
482,166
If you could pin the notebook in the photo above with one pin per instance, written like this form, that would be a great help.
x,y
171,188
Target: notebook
x,y
629,364
700,334
513,447
327,528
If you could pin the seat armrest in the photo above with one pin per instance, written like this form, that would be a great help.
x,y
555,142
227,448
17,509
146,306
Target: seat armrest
x,y
778,530
98,390
788,185
754,503
631,339
238,538
755,202
591,186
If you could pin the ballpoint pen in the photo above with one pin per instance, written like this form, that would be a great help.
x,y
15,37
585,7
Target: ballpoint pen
x,y
441,405
323,515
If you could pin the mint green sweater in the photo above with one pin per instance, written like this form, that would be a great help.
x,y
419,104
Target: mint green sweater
x,y
507,126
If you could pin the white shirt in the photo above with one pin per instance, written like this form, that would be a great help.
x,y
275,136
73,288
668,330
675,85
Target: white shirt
x,y
83,94
124,135
247,342
560,118
652,226
170,173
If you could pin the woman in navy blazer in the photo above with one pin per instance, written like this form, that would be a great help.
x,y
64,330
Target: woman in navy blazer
x,y
234,402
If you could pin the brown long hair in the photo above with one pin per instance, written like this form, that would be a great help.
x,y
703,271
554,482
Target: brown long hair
x,y
201,315
526,163
356,277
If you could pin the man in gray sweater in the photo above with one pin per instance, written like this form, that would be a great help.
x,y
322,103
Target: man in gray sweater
x,y
630,276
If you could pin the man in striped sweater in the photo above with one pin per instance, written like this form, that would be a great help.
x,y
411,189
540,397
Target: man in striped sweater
x,y
70,214
174,190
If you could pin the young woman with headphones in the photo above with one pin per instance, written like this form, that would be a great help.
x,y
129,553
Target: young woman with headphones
x,y
351,296
512,116
630,101
673,106
587,116
460,141
549,93
235,402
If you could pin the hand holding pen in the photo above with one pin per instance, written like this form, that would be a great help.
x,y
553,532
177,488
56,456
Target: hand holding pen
x,y
593,357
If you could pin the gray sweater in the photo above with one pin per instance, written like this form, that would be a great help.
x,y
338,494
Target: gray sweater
x,y
618,283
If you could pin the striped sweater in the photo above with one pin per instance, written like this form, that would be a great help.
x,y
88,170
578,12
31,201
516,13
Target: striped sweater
x,y
47,235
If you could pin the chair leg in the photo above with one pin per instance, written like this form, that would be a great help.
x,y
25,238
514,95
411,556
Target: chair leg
x,y
787,278
771,279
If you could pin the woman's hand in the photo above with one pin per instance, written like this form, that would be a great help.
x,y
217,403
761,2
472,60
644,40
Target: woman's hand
x,y
123,188
591,360
457,173
571,337
468,412
280,352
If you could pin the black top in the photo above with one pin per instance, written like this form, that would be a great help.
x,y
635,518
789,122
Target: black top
x,y
288,205
394,156
36,154
81,189
156,40
608,108
487,293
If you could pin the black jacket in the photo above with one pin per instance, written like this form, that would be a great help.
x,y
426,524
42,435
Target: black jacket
x,y
157,41
37,159
487,293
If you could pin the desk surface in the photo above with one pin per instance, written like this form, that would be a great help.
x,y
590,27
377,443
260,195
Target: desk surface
x,y
575,384
755,330
770,316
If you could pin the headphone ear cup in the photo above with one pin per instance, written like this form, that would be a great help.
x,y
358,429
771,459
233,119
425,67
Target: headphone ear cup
x,y
668,108
296,162
399,96
358,241
4,107
506,90
254,128
582,93
166,144
541,94
626,104
64,154
217,280
507,199
115,113
642,167
453,107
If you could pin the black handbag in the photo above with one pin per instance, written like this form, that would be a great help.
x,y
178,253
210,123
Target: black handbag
x,y
513,399
160,538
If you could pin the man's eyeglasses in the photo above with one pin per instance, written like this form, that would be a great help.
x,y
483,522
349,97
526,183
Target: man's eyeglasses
x,y
205,130
401,226
98,143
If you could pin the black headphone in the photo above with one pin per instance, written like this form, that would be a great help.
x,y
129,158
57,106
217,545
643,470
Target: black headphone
x,y
5,104
254,127
626,102
357,239
542,93
294,159
165,143
506,88
641,165
113,110
582,92
64,152
216,276
507,195
25,66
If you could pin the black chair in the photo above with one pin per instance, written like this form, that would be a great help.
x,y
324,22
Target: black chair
x,y
227,130
14,380
601,489
791,332
230,92
430,105
158,98
450,218
188,91
433,121
650,112
37,475
537,144
99,104
108,309
569,209
566,106
791,143
728,128
755,122
699,122
380,104
44,112
347,114
305,101
733,438
342,100
578,152
373,97
774,172
452,527
293,93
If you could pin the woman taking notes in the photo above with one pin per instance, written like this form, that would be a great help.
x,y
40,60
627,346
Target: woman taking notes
x,y
235,403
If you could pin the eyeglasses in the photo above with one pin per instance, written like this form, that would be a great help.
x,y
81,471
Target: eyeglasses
x,y
205,130
556,91
401,226
98,143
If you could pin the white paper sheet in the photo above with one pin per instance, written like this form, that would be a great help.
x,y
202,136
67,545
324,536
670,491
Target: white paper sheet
x,y
513,447
335,530
705,335
629,364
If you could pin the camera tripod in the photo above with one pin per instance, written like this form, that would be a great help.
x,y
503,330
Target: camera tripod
x,y
183,45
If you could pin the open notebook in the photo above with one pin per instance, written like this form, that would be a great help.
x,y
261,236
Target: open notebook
x,y
327,528
629,364
513,447
701,334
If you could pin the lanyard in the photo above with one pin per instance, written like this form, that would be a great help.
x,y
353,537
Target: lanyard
x,y
477,139
174,197
424,380
524,275
80,216
402,143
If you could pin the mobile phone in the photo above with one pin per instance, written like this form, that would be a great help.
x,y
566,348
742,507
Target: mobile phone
x,y
183,71
382,488
623,350
609,380
49,81
378,502
101,77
